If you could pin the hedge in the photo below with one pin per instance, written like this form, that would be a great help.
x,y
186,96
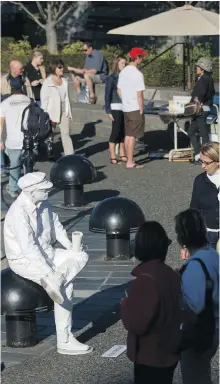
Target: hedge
x,y
160,73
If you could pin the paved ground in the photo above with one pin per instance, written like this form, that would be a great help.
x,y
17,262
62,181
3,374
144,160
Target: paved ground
x,y
161,189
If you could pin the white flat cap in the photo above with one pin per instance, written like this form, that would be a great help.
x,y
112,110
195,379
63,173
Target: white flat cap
x,y
35,180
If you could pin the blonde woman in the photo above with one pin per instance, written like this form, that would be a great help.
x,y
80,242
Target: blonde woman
x,y
205,195
55,101
36,74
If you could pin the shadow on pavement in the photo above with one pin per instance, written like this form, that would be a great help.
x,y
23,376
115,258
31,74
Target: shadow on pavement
x,y
156,140
89,129
93,149
110,298
99,195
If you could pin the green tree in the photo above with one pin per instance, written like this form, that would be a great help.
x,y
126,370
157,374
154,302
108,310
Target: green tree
x,y
47,15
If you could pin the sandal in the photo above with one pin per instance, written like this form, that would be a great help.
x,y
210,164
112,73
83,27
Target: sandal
x,y
138,166
124,159
92,100
115,161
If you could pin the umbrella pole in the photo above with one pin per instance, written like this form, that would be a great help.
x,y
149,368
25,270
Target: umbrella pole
x,y
184,66
188,63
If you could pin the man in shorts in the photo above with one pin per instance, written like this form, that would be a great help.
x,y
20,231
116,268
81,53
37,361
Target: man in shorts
x,y
131,90
95,71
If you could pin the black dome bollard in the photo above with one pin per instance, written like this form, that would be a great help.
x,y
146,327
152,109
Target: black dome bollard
x,y
117,217
20,300
71,173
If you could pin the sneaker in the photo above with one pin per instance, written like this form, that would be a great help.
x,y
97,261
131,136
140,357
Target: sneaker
x,y
73,347
13,194
52,287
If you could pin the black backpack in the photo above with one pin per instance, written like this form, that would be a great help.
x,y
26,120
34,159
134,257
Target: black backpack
x,y
38,122
204,329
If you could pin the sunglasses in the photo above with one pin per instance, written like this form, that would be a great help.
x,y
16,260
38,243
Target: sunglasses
x,y
60,67
85,50
205,162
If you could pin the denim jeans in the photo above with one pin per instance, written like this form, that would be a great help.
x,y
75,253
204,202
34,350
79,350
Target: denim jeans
x,y
15,162
213,239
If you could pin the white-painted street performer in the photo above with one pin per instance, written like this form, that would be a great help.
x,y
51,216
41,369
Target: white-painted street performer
x,y
30,229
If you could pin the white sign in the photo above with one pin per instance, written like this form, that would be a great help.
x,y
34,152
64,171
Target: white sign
x,y
115,351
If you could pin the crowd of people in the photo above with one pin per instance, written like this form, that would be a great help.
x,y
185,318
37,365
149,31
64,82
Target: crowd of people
x,y
154,322
124,102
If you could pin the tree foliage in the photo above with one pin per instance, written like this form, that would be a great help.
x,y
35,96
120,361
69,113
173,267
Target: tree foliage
x,y
47,12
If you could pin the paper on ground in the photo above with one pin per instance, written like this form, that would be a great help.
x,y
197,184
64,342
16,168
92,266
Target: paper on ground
x,y
115,351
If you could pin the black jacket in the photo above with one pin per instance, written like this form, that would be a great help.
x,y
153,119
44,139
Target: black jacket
x,y
32,75
204,89
205,200
111,95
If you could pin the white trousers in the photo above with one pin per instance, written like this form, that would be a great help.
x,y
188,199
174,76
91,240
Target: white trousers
x,y
69,264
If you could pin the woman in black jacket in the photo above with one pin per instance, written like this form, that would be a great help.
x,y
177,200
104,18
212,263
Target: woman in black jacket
x,y
113,107
205,195
203,93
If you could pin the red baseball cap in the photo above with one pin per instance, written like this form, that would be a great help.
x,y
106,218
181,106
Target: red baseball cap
x,y
137,51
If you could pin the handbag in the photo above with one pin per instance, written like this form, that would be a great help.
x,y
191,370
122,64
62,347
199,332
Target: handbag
x,y
192,109
204,330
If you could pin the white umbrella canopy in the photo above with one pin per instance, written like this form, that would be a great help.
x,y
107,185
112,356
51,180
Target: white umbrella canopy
x,y
181,21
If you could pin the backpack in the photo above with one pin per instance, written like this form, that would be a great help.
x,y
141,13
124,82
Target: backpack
x,y
203,335
38,123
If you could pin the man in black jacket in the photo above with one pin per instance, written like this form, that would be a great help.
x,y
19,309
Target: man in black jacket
x,y
203,93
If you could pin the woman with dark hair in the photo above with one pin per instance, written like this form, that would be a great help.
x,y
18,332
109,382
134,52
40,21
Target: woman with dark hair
x,y
113,107
200,260
151,304
55,101
205,195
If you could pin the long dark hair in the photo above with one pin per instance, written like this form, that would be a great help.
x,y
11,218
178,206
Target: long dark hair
x,y
191,229
115,69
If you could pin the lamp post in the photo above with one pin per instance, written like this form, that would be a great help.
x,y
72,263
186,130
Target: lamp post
x,y
28,157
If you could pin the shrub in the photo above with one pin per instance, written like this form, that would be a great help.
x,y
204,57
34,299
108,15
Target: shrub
x,y
69,49
165,71
5,41
20,47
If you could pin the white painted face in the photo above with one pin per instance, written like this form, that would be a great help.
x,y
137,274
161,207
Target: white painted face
x,y
39,195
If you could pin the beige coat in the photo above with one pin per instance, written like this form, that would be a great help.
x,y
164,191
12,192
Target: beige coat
x,y
51,101
6,87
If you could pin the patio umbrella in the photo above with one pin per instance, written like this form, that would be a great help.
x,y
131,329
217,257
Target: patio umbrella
x,y
182,21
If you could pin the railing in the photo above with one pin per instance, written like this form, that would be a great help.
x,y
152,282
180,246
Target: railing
x,y
185,53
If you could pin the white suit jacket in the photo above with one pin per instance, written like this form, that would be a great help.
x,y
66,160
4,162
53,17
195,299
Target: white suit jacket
x,y
51,101
29,232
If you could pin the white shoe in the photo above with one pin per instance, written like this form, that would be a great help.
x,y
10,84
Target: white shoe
x,y
52,287
73,347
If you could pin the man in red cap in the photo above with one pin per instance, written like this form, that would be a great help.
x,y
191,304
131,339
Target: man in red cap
x,y
131,90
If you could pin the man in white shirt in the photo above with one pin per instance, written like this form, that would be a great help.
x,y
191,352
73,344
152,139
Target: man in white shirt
x,y
11,110
131,90
30,230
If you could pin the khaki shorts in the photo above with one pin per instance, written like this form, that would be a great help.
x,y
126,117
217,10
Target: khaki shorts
x,y
96,79
134,124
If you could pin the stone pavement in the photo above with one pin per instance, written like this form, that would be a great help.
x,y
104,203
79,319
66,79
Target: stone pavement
x,y
161,189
